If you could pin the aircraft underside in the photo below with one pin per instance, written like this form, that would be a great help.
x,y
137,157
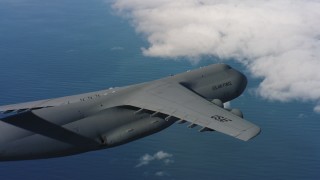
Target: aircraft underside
x,y
109,128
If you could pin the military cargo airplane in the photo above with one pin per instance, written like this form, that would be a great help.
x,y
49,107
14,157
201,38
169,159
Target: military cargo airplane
x,y
103,119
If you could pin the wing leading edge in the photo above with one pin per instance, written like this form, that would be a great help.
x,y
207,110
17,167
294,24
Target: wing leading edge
x,y
51,102
177,101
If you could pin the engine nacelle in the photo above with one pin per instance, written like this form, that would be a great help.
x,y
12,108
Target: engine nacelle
x,y
237,112
136,130
218,102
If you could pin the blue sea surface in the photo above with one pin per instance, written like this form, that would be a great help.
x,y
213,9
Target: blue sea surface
x,y
56,48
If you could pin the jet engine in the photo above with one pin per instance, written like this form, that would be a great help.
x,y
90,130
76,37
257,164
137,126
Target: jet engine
x,y
217,102
135,130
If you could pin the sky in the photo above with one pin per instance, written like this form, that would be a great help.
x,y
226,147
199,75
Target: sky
x,y
57,41
277,41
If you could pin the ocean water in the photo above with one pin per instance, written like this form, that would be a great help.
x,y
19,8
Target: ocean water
x,y
57,48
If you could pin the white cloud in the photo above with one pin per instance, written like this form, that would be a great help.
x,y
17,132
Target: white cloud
x,y
227,104
317,109
168,161
278,41
160,173
162,155
301,116
145,160
159,156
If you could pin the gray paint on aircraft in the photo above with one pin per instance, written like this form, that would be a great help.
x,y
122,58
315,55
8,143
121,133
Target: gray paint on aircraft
x,y
103,119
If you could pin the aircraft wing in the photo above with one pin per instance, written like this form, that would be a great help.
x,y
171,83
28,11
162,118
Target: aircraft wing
x,y
50,102
25,106
175,100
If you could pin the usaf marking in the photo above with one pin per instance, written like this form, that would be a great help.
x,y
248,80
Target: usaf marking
x,y
220,118
221,85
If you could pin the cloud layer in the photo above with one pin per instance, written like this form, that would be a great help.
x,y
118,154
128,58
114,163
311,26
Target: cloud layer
x,y
278,41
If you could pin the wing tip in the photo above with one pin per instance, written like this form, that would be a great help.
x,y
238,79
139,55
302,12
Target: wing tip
x,y
249,133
